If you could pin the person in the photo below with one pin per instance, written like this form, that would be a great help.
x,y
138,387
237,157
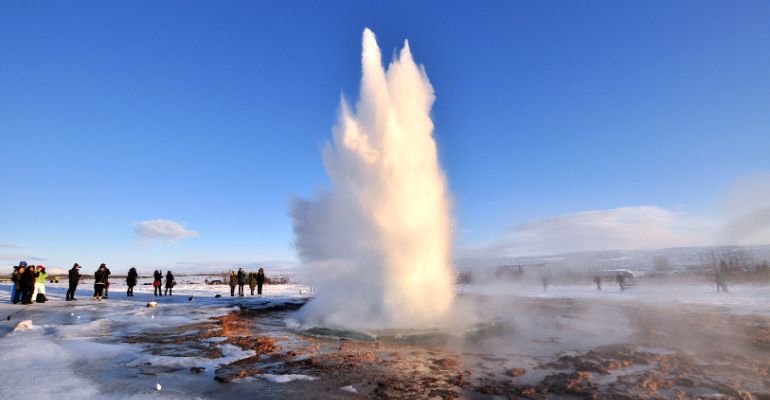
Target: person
x,y
16,296
260,280
241,280
131,279
598,282
16,291
74,278
252,281
27,284
106,280
169,283
39,285
544,281
233,282
100,281
621,281
157,279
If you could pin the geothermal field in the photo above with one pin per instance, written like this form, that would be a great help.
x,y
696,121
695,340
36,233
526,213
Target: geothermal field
x,y
508,341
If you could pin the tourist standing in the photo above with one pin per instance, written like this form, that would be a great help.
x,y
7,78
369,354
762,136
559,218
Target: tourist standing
x,y
157,279
106,280
27,284
241,281
233,282
260,280
169,283
74,278
15,276
40,278
131,279
100,281
252,281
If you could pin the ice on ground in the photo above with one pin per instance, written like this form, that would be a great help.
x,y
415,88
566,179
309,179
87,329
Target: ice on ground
x,y
286,378
349,389
23,325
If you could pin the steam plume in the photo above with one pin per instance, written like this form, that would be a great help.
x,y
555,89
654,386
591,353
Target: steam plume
x,y
380,239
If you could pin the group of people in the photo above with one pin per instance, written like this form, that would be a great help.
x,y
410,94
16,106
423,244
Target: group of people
x,y
157,283
101,282
241,278
28,283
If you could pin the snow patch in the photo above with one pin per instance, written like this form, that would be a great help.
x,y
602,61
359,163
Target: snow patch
x,y
286,378
349,389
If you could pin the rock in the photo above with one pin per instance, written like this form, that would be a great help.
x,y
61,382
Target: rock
x,y
516,372
152,304
197,370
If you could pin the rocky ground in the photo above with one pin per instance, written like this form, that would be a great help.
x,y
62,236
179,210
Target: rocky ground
x,y
686,352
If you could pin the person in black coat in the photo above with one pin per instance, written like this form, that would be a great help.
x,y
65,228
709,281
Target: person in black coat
x,y
169,283
106,280
131,279
100,281
241,280
156,282
74,278
27,284
260,280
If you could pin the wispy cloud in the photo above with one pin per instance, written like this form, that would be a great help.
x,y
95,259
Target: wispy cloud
x,y
20,257
9,246
626,228
163,230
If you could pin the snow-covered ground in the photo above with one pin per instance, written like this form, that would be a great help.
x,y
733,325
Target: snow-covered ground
x,y
61,352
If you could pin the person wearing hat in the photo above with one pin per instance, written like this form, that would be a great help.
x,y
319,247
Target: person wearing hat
x,y
74,278
100,281
27,283
40,277
15,277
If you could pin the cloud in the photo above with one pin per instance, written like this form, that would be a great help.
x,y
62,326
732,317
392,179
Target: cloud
x,y
626,228
163,229
8,246
20,257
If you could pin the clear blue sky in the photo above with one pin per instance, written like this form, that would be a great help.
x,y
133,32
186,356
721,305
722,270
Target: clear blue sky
x,y
213,114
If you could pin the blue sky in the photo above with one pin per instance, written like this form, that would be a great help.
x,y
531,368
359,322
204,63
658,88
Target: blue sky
x,y
214,114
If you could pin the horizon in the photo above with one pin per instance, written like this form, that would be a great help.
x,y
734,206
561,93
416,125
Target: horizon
x,y
180,137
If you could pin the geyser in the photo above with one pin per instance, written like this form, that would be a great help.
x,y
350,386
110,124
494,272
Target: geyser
x,y
378,243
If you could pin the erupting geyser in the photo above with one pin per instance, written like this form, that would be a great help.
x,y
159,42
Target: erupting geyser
x,y
379,241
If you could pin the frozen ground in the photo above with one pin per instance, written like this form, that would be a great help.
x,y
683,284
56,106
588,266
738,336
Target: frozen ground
x,y
509,341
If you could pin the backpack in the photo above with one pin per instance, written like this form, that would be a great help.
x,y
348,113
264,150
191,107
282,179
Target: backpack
x,y
40,298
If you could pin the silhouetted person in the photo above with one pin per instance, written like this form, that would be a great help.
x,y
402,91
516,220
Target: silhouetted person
x,y
74,279
107,274
169,283
233,282
544,281
131,280
241,281
27,283
157,279
598,282
16,279
100,281
252,282
260,280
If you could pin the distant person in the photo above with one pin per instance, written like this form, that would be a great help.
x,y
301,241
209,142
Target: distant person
x,y
721,277
74,279
131,280
27,284
15,276
100,281
598,282
544,281
621,281
106,280
252,281
38,294
157,280
241,280
169,283
233,282
260,280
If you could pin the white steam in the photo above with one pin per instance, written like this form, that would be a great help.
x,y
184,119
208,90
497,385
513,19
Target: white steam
x,y
380,239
